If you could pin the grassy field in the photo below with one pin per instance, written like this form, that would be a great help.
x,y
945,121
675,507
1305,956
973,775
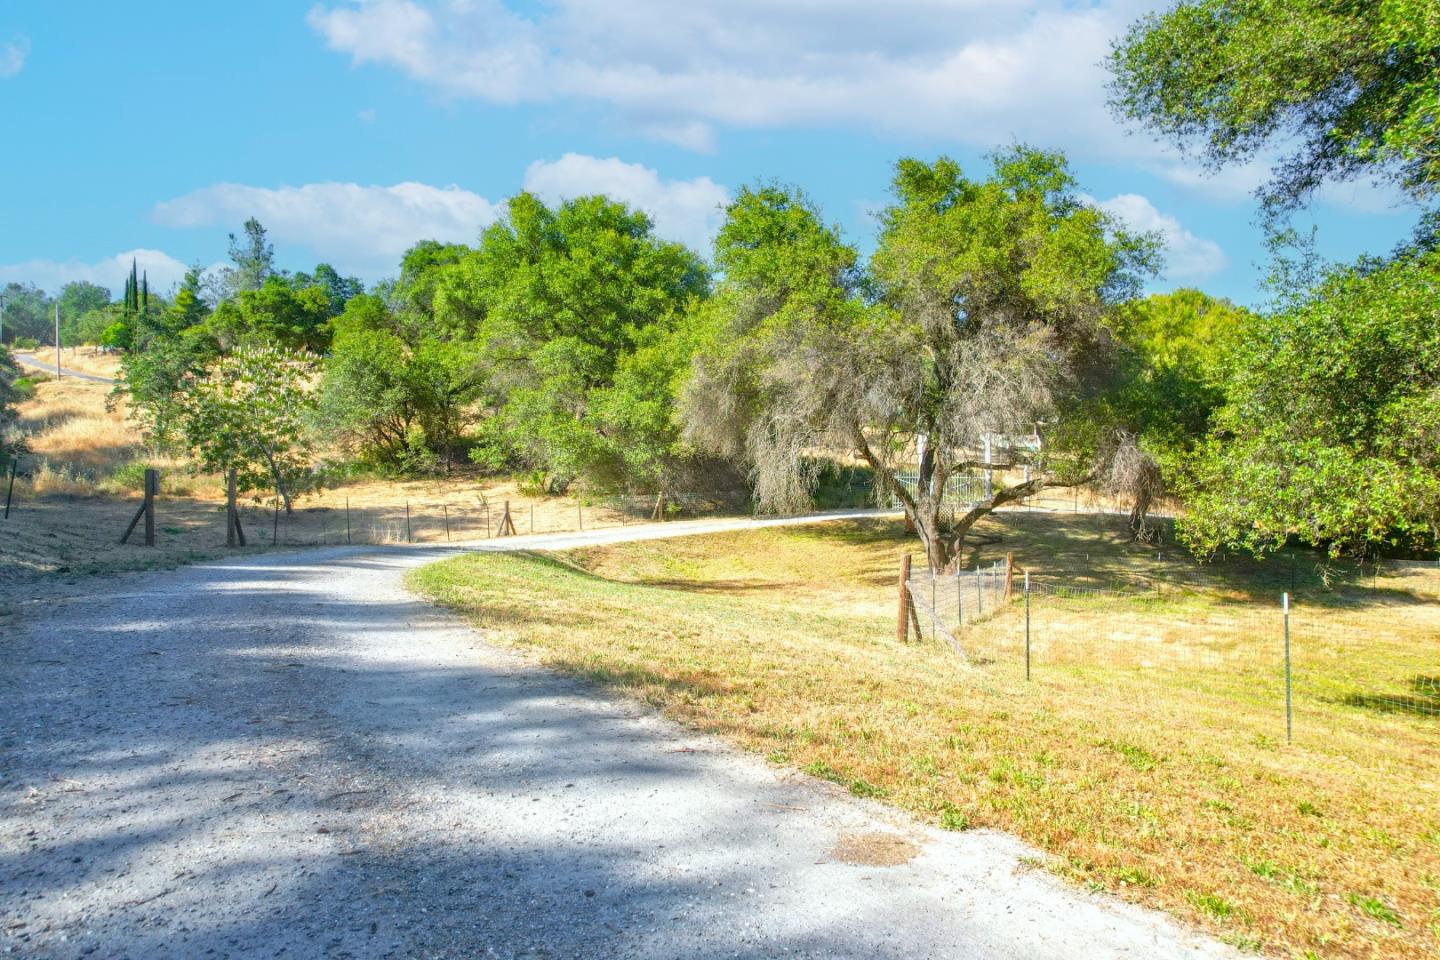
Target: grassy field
x,y
1150,784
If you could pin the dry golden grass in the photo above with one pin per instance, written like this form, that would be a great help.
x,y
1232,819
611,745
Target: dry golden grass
x,y
74,437
1152,784
82,359
80,486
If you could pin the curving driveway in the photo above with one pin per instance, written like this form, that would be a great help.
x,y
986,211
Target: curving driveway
x,y
35,363
288,755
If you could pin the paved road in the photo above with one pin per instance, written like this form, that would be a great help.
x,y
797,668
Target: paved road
x,y
34,362
289,755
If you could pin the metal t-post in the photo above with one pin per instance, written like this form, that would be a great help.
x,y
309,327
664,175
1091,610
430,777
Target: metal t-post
x,y
959,603
1027,624
1289,703
934,607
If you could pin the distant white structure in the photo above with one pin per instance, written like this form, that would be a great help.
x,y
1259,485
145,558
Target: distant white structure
x,y
992,442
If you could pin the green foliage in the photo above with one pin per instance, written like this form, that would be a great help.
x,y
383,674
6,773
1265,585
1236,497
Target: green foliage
x,y
338,290
399,399
1173,370
253,259
247,411
1349,88
562,303
117,335
10,444
79,302
27,314
980,313
421,272
1331,427
279,311
154,379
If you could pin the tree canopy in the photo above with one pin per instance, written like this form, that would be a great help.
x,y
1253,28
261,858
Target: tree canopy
x,y
247,412
557,300
981,309
1331,427
1348,88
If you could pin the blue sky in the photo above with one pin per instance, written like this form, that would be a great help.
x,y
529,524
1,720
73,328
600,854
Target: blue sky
x,y
353,129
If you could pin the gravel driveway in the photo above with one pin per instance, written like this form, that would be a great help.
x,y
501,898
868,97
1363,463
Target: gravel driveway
x,y
288,755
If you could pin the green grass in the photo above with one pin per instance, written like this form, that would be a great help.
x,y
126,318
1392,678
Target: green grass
x,y
1171,787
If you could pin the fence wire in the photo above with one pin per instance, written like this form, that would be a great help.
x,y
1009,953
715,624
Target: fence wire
x,y
339,520
1277,665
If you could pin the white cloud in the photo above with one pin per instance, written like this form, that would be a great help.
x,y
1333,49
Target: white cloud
x,y
366,229
1238,182
689,211
1188,257
163,271
358,228
13,55
1235,183
972,71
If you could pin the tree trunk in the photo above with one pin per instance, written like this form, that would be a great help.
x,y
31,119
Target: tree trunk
x,y
943,549
279,483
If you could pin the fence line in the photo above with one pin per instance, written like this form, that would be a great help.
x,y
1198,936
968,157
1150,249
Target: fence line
x,y
357,521
1302,666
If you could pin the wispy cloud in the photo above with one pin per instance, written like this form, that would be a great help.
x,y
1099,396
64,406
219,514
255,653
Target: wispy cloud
x,y
163,270
973,71
689,211
366,229
1188,257
13,54
359,228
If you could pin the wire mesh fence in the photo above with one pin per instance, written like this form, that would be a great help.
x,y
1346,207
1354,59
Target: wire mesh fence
x,y
336,519
1286,668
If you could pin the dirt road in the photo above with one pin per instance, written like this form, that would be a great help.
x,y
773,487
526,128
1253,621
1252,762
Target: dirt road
x,y
289,755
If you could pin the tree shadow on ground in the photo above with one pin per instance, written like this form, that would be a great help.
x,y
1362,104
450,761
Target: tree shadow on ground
x,y
183,776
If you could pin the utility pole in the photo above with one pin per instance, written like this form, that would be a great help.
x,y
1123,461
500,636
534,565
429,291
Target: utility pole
x,y
57,340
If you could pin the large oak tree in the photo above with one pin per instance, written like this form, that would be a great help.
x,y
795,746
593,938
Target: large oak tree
x,y
980,313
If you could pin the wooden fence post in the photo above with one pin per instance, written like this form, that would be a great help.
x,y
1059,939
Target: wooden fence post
x,y
152,490
147,509
1009,574
902,620
10,490
507,523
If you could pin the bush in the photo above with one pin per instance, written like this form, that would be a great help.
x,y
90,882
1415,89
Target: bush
x,y
130,476
840,486
25,343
